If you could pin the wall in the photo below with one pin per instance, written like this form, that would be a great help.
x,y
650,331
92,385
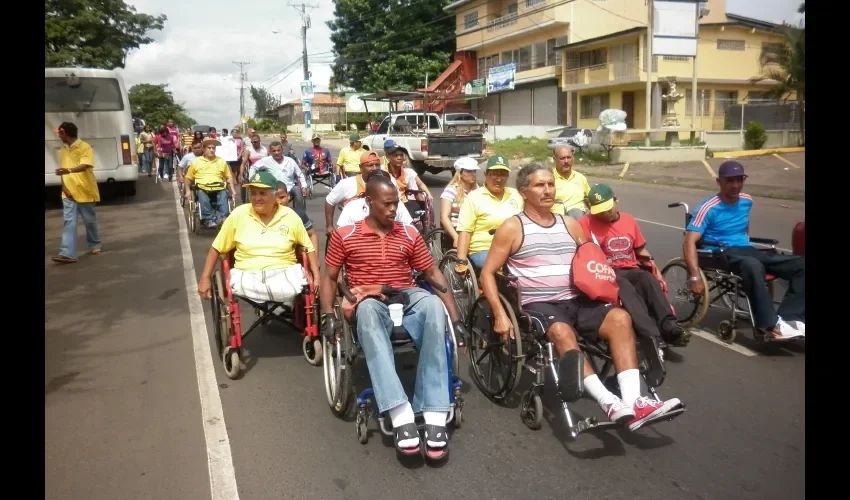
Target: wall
x,y
592,19
493,9
732,140
499,132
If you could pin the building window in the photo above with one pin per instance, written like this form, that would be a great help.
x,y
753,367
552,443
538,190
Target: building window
x,y
538,58
737,45
510,56
470,20
723,100
524,58
773,48
555,57
757,97
492,61
482,67
703,95
592,58
592,105
677,58
532,3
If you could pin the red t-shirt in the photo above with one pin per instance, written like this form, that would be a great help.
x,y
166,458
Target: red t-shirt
x,y
618,239
371,259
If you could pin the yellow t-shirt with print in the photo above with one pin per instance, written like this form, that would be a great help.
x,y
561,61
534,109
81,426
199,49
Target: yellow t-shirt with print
x,y
572,191
349,159
481,212
262,247
209,175
82,186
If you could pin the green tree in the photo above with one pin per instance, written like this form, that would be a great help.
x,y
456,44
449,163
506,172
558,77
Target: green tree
x,y
380,46
94,33
785,64
155,105
263,101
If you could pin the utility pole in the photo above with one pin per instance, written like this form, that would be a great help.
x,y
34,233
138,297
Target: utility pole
x,y
649,5
242,75
306,105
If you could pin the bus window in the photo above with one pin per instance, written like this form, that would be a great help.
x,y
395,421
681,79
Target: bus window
x,y
93,94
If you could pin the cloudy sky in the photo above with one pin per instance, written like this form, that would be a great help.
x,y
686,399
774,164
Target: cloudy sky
x,y
194,53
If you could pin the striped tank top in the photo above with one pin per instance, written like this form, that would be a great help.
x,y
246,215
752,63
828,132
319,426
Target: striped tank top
x,y
543,262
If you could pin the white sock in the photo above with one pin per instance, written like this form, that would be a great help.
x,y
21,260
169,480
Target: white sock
x,y
597,390
437,418
401,415
629,381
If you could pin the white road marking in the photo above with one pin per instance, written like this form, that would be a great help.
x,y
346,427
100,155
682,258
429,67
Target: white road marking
x,y
219,459
713,338
682,229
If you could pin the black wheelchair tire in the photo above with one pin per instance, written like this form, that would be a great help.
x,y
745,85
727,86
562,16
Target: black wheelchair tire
x,y
470,281
436,248
514,354
700,309
340,401
221,323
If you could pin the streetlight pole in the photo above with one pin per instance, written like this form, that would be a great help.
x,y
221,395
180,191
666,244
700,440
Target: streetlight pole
x,y
647,140
694,102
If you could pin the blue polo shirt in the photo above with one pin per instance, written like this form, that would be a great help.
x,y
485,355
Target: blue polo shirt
x,y
726,223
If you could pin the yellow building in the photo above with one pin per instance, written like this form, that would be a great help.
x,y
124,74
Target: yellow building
x,y
577,57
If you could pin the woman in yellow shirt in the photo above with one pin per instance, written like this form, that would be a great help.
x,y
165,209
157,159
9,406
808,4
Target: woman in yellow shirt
x,y
264,235
485,209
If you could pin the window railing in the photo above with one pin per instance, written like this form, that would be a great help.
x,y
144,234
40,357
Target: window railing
x,y
502,22
607,72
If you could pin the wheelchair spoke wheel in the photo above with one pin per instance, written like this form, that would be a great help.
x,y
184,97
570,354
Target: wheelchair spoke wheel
x,y
495,360
690,309
221,316
338,358
464,286
435,240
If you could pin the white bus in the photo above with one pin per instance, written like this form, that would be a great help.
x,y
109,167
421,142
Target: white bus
x,y
96,101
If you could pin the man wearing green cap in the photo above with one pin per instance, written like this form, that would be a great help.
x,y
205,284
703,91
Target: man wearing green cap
x,y
641,290
485,209
348,163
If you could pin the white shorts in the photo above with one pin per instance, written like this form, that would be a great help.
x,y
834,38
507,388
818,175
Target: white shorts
x,y
277,285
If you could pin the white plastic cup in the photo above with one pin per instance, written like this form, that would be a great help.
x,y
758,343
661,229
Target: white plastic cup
x,y
396,313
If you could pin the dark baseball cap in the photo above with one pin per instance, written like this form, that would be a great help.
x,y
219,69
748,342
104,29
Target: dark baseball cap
x,y
731,168
391,145
601,198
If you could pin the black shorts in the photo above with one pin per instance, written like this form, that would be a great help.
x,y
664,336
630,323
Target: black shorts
x,y
584,315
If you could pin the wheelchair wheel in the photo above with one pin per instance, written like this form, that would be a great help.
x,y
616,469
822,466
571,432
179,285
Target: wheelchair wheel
x,y
743,304
312,349
531,409
193,219
338,360
221,316
495,379
436,240
690,310
464,287
309,179
231,204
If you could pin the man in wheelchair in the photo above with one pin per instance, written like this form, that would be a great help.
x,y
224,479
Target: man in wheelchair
x,y
379,251
538,247
642,289
265,236
722,223
211,176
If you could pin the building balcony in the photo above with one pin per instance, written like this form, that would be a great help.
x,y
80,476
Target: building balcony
x,y
602,75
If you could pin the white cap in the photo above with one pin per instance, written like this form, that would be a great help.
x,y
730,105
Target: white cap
x,y
466,163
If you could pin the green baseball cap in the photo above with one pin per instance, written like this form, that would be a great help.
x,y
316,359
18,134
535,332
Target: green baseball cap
x,y
263,179
601,198
316,136
354,138
498,162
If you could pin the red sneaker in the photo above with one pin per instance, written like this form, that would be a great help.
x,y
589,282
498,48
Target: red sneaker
x,y
647,409
618,411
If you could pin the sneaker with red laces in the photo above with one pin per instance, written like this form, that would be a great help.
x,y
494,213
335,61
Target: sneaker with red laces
x,y
646,409
618,411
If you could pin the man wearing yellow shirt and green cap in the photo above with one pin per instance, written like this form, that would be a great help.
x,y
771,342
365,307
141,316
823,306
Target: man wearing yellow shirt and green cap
x,y
571,187
348,163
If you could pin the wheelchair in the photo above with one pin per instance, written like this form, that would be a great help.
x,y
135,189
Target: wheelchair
x,y
314,175
423,219
195,225
302,315
718,282
438,242
464,285
341,354
531,350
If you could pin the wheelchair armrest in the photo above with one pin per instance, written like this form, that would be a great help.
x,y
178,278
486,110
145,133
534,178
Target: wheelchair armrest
x,y
346,292
764,241
701,244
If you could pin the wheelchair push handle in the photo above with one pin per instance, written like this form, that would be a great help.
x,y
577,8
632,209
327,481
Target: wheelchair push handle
x,y
679,204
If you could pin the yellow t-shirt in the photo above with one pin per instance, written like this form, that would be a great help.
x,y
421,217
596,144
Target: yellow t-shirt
x,y
209,175
572,191
349,159
81,185
481,212
261,247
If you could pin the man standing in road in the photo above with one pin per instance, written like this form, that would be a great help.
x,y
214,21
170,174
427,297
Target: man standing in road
x,y
348,163
571,187
79,193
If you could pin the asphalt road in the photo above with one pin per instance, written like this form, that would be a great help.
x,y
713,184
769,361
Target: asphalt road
x,y
124,415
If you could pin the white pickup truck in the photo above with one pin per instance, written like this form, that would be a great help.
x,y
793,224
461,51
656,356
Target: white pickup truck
x,y
428,147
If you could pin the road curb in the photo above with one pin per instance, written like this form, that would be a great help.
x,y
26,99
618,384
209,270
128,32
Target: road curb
x,y
758,152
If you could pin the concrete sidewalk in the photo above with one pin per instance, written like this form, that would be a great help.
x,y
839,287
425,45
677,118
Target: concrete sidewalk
x,y
121,392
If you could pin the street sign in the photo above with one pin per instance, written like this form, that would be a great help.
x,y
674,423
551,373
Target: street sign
x,y
476,87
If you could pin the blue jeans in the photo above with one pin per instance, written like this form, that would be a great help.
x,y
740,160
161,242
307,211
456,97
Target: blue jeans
x,y
425,321
478,258
146,161
70,209
297,198
751,265
165,166
208,212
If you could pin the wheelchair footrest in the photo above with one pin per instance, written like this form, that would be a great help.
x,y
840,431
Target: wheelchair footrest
x,y
571,375
591,425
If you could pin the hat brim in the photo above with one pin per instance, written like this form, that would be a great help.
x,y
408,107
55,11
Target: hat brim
x,y
259,185
469,168
499,167
602,207
211,141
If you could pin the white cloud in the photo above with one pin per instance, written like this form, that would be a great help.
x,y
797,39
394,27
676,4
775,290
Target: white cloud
x,y
195,51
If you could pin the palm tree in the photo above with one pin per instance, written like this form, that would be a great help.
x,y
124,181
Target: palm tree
x,y
785,64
